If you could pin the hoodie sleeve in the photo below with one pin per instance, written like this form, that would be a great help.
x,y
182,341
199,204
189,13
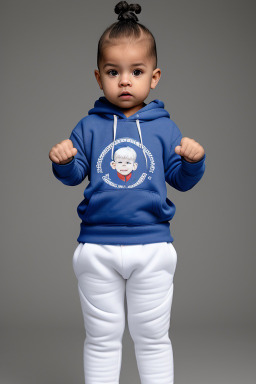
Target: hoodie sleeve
x,y
74,172
179,173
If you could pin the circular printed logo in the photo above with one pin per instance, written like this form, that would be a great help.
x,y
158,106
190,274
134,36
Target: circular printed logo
x,y
125,163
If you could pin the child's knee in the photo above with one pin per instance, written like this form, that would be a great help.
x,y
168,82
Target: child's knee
x,y
103,328
148,330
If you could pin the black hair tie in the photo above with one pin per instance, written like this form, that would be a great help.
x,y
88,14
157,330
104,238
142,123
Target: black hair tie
x,y
126,11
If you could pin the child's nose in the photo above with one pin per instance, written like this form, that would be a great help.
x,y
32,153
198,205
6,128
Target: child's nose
x,y
125,80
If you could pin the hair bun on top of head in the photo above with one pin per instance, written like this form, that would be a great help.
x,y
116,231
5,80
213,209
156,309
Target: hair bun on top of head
x,y
126,11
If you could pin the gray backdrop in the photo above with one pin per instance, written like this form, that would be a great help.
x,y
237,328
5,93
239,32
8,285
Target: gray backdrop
x,y
206,51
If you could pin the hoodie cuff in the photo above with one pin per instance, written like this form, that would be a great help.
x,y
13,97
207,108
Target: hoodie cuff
x,y
193,168
63,169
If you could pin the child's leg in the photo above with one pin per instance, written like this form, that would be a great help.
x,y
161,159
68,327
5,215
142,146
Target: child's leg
x,y
149,292
102,292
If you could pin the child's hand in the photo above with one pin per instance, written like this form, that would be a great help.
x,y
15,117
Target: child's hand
x,y
190,150
62,152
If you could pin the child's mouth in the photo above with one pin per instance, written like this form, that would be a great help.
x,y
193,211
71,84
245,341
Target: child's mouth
x,y
125,96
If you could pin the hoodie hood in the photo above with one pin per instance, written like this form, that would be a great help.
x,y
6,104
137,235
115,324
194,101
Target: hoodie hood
x,y
153,110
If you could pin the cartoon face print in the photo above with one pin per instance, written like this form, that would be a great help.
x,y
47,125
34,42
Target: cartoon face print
x,y
124,161
118,169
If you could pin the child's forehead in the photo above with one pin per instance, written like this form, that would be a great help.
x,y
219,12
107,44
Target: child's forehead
x,y
121,158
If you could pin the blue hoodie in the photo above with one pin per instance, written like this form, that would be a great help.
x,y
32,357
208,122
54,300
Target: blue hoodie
x,y
128,161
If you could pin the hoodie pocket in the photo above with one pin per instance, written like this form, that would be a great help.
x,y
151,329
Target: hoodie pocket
x,y
122,207
166,209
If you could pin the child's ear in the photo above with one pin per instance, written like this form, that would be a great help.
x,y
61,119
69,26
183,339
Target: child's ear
x,y
155,77
97,75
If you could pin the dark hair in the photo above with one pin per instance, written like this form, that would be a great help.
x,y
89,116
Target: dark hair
x,y
127,26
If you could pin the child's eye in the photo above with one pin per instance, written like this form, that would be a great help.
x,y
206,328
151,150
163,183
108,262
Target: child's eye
x,y
112,72
137,72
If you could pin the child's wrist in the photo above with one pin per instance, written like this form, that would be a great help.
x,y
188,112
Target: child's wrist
x,y
66,161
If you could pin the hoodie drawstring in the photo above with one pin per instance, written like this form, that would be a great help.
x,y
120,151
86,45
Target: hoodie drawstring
x,y
114,128
139,130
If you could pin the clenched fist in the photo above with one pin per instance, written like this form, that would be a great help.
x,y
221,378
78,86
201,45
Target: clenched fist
x,y
190,150
62,152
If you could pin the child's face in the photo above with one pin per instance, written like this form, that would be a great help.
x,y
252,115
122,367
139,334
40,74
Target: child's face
x,y
124,166
127,67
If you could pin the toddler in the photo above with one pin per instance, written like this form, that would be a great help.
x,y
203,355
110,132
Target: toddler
x,y
129,150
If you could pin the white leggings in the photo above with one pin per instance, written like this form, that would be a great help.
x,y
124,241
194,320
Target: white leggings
x,y
145,274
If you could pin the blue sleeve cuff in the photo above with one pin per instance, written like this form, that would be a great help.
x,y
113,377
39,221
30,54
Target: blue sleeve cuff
x,y
193,168
63,170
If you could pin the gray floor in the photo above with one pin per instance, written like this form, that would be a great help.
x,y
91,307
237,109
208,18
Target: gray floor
x,y
54,356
